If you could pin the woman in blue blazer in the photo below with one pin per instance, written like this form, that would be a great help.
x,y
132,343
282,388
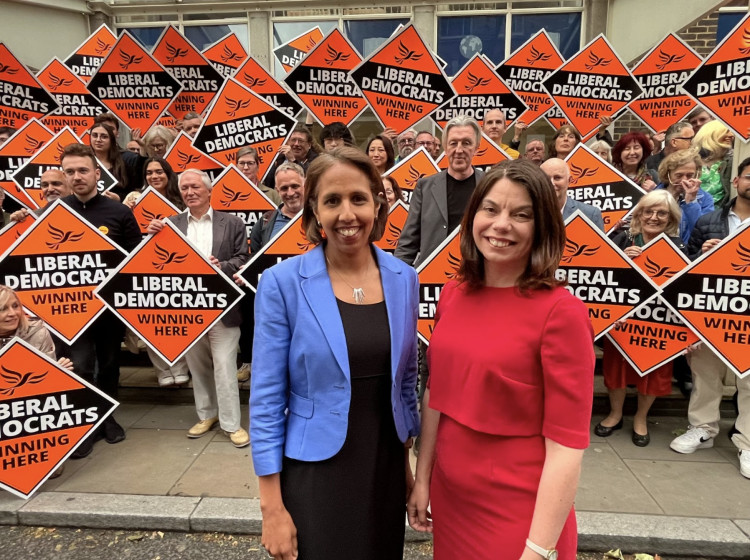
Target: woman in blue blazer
x,y
333,403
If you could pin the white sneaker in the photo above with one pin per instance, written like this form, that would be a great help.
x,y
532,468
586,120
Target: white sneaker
x,y
744,463
692,440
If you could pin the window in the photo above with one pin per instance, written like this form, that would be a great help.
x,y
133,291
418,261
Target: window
x,y
563,29
727,21
459,38
368,35
146,36
286,31
206,35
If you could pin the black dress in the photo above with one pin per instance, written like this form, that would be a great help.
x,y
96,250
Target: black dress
x,y
352,506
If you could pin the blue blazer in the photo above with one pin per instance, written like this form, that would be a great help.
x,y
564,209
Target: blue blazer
x,y
301,384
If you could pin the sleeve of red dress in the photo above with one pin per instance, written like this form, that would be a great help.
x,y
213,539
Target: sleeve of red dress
x,y
568,371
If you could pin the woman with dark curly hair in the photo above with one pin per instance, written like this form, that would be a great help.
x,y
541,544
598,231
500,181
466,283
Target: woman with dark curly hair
x,y
159,174
629,156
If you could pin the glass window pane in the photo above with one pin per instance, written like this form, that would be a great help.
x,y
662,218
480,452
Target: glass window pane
x,y
459,38
368,35
204,35
146,36
727,21
216,15
563,29
286,31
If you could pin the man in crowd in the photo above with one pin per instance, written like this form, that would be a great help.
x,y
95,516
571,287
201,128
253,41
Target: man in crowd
x,y
405,143
708,369
53,185
5,133
96,353
558,172
334,136
191,122
677,137
438,201
698,117
298,150
536,151
427,141
494,127
222,239
247,163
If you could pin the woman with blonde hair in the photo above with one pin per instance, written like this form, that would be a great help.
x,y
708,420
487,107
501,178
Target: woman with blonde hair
x,y
714,142
656,213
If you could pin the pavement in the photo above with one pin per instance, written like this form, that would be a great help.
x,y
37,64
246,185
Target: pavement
x,y
638,499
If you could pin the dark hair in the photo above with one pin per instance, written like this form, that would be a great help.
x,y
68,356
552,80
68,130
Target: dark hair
x,y
743,164
113,156
549,228
10,131
566,128
626,139
396,188
353,157
79,150
302,129
173,190
336,130
390,156
107,118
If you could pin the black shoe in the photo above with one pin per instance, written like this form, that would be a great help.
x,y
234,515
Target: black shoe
x,y
86,447
606,431
113,432
733,430
685,387
641,441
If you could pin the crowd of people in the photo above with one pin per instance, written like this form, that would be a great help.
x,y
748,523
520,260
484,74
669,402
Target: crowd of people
x,y
329,340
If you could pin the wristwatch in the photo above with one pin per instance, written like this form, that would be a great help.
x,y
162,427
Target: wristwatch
x,y
543,552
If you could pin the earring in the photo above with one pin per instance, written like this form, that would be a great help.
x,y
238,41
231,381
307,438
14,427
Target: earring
x,y
319,225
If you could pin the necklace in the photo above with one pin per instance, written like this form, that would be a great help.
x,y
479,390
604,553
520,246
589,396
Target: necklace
x,y
358,294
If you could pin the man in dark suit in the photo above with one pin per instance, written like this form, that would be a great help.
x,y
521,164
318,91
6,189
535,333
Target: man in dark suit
x,y
438,201
222,238
559,173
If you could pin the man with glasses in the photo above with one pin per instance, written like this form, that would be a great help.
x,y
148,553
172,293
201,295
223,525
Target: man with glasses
x,y
427,141
536,151
297,150
406,143
247,163
678,137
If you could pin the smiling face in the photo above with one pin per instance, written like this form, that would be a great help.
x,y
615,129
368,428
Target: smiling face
x,y
632,155
654,220
377,154
503,230
156,177
346,210
53,185
290,187
195,194
10,316
300,145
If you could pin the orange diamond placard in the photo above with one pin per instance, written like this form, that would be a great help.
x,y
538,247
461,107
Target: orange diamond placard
x,y
411,169
434,272
654,334
487,156
14,154
526,69
85,60
226,54
11,232
55,266
23,97
182,155
152,206
46,412
599,274
256,78
711,296
396,219
168,293
290,53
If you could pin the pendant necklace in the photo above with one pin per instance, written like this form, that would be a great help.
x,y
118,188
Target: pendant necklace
x,y
358,294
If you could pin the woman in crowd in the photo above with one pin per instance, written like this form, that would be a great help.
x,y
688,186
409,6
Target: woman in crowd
x,y
505,423
714,143
157,173
602,149
656,213
103,141
629,156
392,191
565,139
679,174
380,151
333,402
158,140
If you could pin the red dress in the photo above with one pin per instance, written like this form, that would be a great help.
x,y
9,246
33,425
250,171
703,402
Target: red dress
x,y
506,372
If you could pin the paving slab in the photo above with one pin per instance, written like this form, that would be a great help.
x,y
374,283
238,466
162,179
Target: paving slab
x,y
127,414
744,525
108,511
694,489
147,462
9,505
169,417
661,534
607,484
234,479
227,515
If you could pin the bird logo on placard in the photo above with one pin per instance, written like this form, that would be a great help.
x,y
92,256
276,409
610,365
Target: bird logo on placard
x,y
666,59
596,60
6,69
55,82
579,173
406,54
102,46
453,262
251,81
187,159
32,144
744,254
149,217
60,236
573,250
165,257
175,52
232,196
311,42
236,105
413,177
304,246
537,56
393,234
475,81
59,149
334,56
657,271
480,153
18,380
228,55
128,59
745,42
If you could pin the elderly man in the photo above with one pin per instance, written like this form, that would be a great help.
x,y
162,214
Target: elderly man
x,y
221,238
677,137
191,122
54,186
438,201
298,150
405,143
427,141
558,172
494,127
536,151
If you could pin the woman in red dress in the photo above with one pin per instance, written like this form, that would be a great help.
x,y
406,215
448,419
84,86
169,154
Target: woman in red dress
x,y
506,415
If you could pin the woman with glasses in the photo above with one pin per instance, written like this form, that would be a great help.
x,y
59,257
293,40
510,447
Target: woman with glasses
x,y
679,174
656,213
247,163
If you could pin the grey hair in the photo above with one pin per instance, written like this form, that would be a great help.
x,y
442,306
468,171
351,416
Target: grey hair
x,y
407,131
676,129
290,166
202,174
463,120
